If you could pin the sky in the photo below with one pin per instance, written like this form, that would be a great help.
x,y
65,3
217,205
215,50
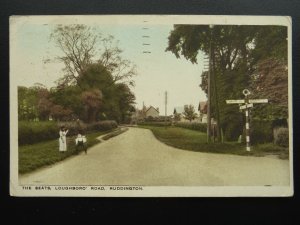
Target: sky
x,y
157,72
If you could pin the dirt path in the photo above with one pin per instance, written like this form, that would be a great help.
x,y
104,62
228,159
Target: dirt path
x,y
136,157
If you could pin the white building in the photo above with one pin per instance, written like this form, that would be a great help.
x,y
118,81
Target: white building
x,y
152,112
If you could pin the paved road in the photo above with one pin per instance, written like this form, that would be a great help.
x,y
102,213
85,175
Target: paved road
x,y
136,157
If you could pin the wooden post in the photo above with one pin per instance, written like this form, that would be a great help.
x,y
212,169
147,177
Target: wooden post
x,y
247,126
209,94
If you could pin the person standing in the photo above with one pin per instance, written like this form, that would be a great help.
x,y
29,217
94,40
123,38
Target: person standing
x,y
62,139
80,143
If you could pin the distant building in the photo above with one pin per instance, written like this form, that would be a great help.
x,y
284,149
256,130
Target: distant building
x,y
202,108
145,113
152,112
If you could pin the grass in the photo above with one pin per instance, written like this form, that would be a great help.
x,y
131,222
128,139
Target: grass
x,y
197,141
114,133
45,153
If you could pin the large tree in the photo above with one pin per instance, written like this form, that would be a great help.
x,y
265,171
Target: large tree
x,y
236,50
83,45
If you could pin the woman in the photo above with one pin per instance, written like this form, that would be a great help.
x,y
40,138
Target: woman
x,y
62,139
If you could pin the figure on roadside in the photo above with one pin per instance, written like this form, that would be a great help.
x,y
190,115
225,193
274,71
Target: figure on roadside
x,y
80,143
62,139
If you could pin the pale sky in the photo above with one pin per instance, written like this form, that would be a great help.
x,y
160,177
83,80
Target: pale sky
x,y
158,71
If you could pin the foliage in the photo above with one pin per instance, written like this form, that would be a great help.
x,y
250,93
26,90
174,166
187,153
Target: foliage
x,y
155,123
95,85
270,81
261,131
189,112
239,53
281,136
34,132
192,126
97,96
79,45
92,101
103,125
27,102
45,153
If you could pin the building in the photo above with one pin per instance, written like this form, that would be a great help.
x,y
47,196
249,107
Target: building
x,y
152,112
145,113
202,108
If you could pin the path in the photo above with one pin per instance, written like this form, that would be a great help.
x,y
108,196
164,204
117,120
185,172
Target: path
x,y
136,157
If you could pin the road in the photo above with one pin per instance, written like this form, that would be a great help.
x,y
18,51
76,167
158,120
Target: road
x,y
136,157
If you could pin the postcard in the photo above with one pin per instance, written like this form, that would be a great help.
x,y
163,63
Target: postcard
x,y
151,106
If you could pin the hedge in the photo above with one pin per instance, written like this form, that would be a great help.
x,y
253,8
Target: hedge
x,y
34,132
158,124
281,136
192,126
261,131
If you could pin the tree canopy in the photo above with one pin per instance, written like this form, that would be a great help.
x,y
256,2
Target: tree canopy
x,y
238,53
95,84
82,46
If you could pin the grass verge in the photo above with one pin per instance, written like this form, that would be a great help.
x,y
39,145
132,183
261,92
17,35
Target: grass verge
x,y
115,133
45,153
197,141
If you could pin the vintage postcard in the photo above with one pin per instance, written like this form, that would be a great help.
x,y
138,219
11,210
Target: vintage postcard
x,y
151,105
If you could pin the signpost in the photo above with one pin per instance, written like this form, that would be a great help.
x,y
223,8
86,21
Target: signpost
x,y
248,103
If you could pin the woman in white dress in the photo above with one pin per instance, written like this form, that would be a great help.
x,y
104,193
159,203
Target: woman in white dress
x,y
62,139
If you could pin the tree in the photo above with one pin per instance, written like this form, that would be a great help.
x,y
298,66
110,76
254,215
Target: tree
x,y
69,98
176,115
229,54
270,80
92,101
80,48
27,103
189,112
126,101
59,113
236,52
44,104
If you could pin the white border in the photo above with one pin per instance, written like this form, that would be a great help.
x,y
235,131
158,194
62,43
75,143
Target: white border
x,y
148,191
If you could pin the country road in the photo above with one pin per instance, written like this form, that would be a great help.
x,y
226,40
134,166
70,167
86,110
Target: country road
x,y
136,157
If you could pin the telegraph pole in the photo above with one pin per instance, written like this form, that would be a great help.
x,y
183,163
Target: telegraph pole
x,y
166,101
209,90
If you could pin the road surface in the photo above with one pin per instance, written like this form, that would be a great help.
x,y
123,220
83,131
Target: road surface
x,y
136,157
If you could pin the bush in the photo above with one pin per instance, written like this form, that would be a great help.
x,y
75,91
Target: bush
x,y
34,132
103,125
73,127
261,131
158,124
281,136
157,119
192,126
232,130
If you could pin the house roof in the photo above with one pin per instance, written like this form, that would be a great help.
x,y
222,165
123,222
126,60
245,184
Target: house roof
x,y
202,107
153,108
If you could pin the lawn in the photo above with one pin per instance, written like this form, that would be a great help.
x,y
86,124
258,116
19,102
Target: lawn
x,y
45,153
197,141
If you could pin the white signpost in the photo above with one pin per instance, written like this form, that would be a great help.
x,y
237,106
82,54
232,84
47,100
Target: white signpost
x,y
248,103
